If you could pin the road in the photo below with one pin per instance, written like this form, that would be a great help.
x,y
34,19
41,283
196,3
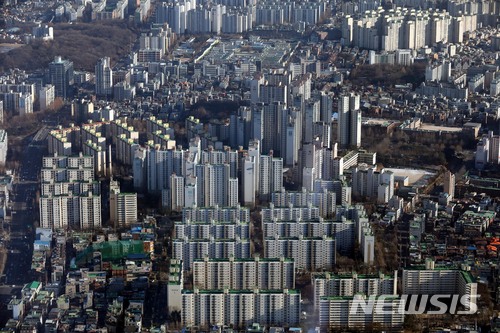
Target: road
x,y
24,214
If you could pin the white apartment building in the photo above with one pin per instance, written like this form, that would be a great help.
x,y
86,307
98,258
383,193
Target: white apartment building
x,y
292,136
495,87
4,145
225,156
324,200
487,150
68,211
58,143
67,168
244,274
215,186
25,104
367,243
125,149
119,127
103,77
89,214
220,214
342,190
273,92
70,196
163,140
290,213
153,125
176,193
332,285
372,183
122,208
190,192
476,83
248,176
343,231
349,122
67,175
72,187
175,286
70,162
267,124
98,154
482,157
494,148
334,313
430,280
202,308
261,174
188,250
93,134
215,229
449,183
46,96
309,253
160,164
270,176
401,28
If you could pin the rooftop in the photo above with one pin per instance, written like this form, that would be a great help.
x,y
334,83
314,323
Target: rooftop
x,y
242,291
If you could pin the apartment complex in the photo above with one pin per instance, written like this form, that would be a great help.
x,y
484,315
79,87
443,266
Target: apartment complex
x,y
401,28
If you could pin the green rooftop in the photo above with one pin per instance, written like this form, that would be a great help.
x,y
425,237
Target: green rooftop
x,y
33,285
468,277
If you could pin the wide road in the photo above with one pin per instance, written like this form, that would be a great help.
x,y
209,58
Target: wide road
x,y
24,213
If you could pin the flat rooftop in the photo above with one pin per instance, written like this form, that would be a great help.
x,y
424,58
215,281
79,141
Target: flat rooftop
x,y
415,176
377,121
436,128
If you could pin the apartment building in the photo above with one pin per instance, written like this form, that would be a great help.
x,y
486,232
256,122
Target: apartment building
x,y
244,274
202,230
335,313
432,279
309,253
70,196
4,145
240,308
221,214
340,285
188,250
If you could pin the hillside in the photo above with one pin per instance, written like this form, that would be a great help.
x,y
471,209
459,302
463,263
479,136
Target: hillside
x,y
82,43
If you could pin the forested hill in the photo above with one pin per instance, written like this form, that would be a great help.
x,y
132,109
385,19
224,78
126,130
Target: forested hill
x,y
82,43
